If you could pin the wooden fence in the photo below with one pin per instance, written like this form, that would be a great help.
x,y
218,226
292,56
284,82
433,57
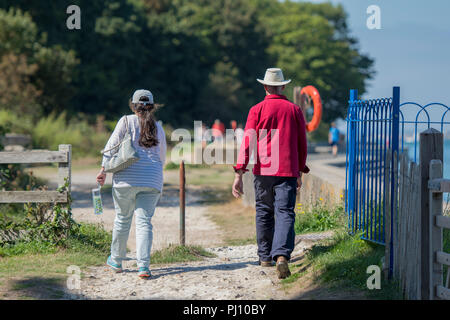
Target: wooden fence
x,y
418,220
63,157
438,258
406,228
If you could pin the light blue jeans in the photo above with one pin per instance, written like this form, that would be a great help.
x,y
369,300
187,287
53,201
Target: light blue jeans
x,y
141,201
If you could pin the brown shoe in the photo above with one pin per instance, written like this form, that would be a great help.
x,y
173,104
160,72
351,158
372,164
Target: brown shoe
x,y
282,268
265,263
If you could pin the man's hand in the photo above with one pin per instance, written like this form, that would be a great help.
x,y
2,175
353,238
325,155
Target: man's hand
x,y
238,186
101,177
299,182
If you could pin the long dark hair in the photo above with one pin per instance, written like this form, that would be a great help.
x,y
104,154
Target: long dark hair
x,y
148,131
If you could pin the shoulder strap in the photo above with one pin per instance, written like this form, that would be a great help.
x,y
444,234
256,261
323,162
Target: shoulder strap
x,y
126,130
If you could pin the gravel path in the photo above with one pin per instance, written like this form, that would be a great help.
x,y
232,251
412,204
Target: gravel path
x,y
232,274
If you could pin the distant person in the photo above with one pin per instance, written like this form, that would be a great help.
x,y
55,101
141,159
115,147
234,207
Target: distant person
x,y
218,130
137,188
333,139
275,188
233,124
205,136
239,134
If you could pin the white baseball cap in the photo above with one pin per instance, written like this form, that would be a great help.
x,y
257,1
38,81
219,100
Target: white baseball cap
x,y
138,94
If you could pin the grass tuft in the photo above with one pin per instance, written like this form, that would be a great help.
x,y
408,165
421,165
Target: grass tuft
x,y
318,217
176,253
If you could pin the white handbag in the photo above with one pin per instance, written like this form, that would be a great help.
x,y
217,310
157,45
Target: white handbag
x,y
125,156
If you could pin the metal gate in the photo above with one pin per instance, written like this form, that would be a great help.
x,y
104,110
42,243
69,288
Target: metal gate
x,y
372,129
375,127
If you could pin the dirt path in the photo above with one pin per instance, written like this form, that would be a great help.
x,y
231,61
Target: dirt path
x,y
232,274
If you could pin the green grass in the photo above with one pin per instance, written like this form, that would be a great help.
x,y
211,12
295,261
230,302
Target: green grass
x,y
38,269
48,132
318,217
175,253
342,262
90,245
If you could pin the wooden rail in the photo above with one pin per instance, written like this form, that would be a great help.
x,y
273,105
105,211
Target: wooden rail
x,y
437,259
63,157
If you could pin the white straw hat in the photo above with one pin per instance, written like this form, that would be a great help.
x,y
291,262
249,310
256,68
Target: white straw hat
x,y
274,77
138,94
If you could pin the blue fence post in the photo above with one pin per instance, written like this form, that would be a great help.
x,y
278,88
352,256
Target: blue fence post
x,y
395,140
351,161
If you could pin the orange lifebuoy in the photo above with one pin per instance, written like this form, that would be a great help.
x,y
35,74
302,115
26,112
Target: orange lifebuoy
x,y
314,94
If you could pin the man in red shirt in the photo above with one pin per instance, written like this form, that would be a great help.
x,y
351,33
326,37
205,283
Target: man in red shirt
x,y
275,135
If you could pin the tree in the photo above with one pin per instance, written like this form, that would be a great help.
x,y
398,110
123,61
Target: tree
x,y
35,78
200,58
17,93
311,43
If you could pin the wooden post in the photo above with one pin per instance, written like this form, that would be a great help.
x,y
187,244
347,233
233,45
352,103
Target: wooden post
x,y
435,243
64,168
182,204
431,147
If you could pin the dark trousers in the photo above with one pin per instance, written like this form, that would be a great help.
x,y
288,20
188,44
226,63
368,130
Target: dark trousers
x,y
275,216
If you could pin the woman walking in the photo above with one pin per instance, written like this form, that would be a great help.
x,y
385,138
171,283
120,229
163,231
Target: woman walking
x,y
137,188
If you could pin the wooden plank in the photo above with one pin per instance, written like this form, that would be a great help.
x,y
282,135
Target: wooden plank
x,y
36,156
394,214
32,196
387,211
408,237
443,222
402,224
417,223
443,293
435,232
431,147
443,258
64,169
439,185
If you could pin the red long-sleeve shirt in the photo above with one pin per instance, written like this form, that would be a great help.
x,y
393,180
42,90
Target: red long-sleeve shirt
x,y
276,129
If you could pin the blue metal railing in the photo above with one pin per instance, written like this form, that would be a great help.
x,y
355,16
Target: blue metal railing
x,y
370,128
374,127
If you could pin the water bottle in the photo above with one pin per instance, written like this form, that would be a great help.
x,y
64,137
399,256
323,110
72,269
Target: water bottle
x,y
97,199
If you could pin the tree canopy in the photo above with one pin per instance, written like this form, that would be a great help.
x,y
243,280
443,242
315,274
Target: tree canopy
x,y
200,58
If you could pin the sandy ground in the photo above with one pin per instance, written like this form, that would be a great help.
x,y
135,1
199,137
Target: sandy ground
x,y
232,274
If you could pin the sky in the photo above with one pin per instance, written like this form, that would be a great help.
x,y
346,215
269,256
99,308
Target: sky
x,y
411,50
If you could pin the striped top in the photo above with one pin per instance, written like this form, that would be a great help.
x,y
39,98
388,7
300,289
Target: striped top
x,y
148,170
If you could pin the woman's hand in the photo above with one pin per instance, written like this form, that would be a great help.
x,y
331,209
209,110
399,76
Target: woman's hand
x,y
101,177
238,186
